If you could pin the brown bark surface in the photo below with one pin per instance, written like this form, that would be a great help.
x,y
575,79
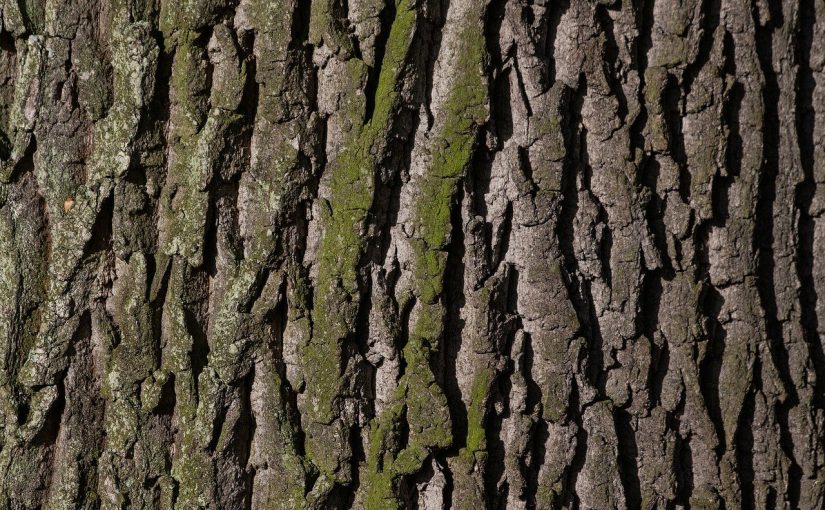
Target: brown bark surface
x,y
471,254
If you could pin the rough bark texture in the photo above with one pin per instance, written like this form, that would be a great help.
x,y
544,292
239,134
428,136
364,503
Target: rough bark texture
x,y
283,254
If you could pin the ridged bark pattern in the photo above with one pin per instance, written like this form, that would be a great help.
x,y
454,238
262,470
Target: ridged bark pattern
x,y
294,254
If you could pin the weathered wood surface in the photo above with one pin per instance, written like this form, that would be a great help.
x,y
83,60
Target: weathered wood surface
x,y
280,254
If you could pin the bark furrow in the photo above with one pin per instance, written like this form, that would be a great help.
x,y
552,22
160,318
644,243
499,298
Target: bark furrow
x,y
412,254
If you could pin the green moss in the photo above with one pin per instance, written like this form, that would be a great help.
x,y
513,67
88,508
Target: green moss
x,y
21,120
428,327
327,28
426,408
381,492
465,109
476,433
197,411
645,503
228,93
546,496
34,14
196,142
134,56
183,15
121,424
395,54
226,346
655,82
9,284
352,185
380,476
178,341
428,416
133,359
151,390
423,404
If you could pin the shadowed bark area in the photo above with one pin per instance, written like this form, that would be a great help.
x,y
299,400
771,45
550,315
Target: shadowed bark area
x,y
469,254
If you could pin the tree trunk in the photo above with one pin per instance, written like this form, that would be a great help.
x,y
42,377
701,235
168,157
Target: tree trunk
x,y
282,254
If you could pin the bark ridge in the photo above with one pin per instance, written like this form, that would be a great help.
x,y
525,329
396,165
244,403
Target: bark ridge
x,y
433,254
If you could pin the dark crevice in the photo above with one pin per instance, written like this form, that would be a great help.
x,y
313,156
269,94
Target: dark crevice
x,y
494,481
710,365
210,238
386,18
654,215
251,89
605,248
557,10
763,242
300,24
242,443
522,90
673,117
404,333
659,366
577,173
647,318
361,338
449,486
804,194
804,260
431,48
500,103
612,62
33,13
26,162
101,232
764,239
357,459
200,345
710,11
454,301
642,44
644,41
683,465
43,446
628,453
743,439
498,251
731,110
576,285
569,498
647,322
538,434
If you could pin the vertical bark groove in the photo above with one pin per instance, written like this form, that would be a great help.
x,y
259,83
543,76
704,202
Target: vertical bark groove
x,y
310,254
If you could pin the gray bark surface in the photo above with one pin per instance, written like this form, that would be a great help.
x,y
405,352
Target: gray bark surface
x,y
470,254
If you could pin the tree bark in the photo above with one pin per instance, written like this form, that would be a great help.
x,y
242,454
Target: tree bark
x,y
283,254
